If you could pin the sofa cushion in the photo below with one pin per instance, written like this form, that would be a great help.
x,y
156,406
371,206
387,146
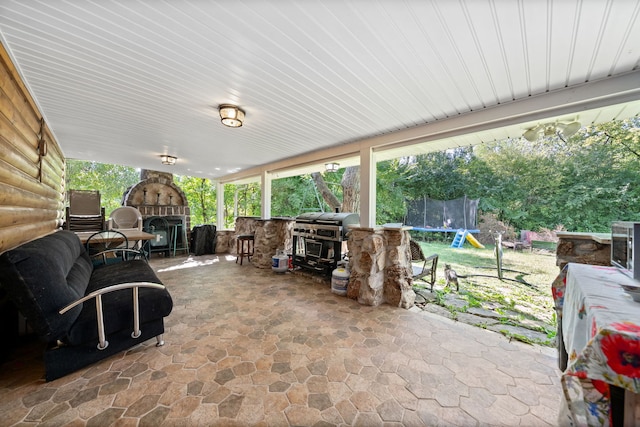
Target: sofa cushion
x,y
45,275
118,306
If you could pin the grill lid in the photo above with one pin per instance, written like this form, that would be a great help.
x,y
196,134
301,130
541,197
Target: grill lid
x,y
339,217
308,216
334,218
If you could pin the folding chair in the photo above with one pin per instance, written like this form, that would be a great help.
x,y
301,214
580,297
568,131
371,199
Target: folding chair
x,y
84,212
427,271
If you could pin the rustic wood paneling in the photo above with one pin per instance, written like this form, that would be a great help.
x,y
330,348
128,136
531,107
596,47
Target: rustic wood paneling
x,y
31,182
18,179
23,136
11,216
13,196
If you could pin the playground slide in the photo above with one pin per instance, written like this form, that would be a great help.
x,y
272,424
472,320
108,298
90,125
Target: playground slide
x,y
474,242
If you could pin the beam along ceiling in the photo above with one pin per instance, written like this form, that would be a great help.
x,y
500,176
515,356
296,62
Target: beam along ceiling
x,y
127,81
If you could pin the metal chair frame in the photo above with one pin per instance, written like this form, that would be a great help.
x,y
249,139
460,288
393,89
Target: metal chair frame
x,y
426,272
109,246
84,212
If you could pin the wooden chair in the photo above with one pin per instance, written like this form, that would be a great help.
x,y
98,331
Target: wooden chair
x,y
427,271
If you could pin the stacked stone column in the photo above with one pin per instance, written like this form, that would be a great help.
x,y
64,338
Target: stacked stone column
x,y
380,265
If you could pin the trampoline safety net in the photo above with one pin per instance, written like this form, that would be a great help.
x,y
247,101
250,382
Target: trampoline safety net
x,y
429,213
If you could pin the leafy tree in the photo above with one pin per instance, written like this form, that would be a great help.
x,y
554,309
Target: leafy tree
x,y
390,192
582,183
241,200
201,196
294,195
339,190
439,175
111,180
519,180
602,176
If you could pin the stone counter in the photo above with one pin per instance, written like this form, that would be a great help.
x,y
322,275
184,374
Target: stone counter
x,y
583,248
269,236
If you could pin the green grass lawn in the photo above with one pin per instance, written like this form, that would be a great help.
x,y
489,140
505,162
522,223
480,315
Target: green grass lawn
x,y
522,298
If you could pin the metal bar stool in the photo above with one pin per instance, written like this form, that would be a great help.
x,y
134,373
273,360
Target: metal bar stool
x,y
179,240
244,247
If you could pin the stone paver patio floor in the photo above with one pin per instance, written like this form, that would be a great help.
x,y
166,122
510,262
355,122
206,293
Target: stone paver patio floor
x,y
246,346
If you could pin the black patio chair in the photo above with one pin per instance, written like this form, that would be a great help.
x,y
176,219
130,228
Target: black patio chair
x,y
111,246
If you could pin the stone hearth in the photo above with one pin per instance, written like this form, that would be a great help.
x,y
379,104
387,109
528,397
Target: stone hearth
x,y
157,195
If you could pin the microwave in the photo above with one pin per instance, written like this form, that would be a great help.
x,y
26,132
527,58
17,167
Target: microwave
x,y
625,247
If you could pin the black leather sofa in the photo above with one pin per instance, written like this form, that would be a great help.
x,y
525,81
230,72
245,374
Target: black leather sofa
x,y
83,313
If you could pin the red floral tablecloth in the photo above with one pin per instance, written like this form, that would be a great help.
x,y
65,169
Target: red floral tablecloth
x,y
601,331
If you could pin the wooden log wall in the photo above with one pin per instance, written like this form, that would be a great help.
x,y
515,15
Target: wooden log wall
x,y
32,165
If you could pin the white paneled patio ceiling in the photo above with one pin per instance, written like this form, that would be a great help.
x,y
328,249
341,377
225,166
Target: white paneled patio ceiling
x,y
124,82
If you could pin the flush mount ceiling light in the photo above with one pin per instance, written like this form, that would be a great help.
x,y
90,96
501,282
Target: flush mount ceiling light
x,y
332,167
231,116
561,129
168,160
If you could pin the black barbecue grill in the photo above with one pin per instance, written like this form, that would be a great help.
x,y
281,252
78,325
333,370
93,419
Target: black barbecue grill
x,y
319,239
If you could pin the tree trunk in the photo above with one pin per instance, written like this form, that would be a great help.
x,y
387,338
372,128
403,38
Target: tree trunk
x,y
235,203
201,195
326,194
351,190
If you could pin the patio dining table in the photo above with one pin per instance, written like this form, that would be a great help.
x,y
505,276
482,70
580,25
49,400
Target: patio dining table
x,y
601,334
132,235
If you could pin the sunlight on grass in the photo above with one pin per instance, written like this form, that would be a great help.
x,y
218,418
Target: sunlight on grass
x,y
522,298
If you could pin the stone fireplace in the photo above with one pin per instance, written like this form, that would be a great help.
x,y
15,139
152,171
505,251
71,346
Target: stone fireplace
x,y
157,195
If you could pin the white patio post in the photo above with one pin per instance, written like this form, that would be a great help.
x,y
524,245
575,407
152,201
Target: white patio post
x,y
265,184
367,187
220,208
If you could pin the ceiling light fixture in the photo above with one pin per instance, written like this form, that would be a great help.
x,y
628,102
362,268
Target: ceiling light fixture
x,y
231,116
332,167
561,129
168,160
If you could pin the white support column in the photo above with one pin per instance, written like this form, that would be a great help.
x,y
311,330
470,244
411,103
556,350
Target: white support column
x,y
367,187
220,207
265,185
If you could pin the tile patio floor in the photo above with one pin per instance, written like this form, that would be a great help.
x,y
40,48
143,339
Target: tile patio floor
x,y
246,346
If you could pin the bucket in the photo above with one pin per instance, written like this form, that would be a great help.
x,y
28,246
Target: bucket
x,y
280,263
339,281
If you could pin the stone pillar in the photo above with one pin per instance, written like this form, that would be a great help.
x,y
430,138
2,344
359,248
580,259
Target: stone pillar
x,y
398,278
367,260
380,265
